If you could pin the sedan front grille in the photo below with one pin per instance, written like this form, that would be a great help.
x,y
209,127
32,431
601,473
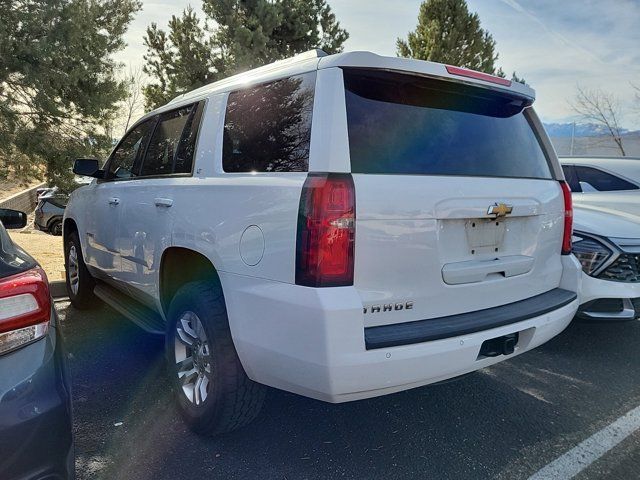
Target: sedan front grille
x,y
626,268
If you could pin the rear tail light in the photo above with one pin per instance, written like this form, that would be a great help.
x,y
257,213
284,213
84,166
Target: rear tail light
x,y
568,218
25,309
326,231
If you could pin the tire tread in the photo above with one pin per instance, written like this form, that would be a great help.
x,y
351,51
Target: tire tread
x,y
241,398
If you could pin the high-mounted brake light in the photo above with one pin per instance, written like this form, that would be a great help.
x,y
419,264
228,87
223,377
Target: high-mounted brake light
x,y
326,231
465,72
25,309
568,218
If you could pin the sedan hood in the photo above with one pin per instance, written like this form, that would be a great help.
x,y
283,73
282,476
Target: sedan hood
x,y
605,221
628,201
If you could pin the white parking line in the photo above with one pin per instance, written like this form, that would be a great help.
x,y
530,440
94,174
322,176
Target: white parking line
x,y
581,456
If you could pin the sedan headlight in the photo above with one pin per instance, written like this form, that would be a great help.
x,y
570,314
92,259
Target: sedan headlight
x,y
591,253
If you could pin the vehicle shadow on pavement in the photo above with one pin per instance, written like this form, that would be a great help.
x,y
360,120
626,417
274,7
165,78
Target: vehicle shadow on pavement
x,y
506,421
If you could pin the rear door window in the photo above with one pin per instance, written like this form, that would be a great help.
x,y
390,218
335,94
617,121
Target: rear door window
x,y
172,143
268,128
571,178
602,181
406,124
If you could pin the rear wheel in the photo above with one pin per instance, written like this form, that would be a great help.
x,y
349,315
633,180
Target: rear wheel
x,y
56,228
79,281
212,389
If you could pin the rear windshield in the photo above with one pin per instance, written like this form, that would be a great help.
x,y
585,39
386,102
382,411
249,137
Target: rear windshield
x,y
13,260
404,124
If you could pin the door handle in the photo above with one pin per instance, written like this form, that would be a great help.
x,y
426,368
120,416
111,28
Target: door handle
x,y
163,202
114,201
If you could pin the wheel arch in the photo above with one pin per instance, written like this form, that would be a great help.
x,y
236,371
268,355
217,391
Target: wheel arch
x,y
68,226
57,218
178,266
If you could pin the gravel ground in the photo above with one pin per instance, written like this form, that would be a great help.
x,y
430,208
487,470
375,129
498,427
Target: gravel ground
x,y
45,248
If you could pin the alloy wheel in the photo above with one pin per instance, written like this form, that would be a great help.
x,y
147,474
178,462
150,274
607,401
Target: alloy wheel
x,y
73,270
193,358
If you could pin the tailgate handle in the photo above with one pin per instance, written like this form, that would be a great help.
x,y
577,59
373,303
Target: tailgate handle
x,y
163,202
475,271
114,201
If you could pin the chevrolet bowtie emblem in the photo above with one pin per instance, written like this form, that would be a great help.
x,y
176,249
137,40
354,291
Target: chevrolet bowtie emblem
x,y
500,210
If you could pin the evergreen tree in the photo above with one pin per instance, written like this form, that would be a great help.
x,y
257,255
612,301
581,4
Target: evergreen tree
x,y
448,33
516,78
57,78
245,34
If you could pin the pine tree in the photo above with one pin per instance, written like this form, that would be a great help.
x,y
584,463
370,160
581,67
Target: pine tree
x,y
57,79
245,34
448,33
516,78
182,58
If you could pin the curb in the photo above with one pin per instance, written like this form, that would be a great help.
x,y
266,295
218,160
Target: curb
x,y
58,290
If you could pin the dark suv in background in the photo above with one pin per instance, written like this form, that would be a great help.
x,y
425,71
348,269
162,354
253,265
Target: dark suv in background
x,y
49,212
36,436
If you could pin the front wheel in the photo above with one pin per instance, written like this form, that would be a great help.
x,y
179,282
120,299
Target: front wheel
x,y
79,281
213,391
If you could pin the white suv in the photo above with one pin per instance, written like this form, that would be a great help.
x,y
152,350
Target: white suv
x,y
339,226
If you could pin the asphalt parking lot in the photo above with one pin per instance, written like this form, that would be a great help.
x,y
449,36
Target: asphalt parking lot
x,y
504,422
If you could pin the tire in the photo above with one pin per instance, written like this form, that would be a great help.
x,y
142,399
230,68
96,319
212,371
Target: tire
x,y
228,399
56,228
79,286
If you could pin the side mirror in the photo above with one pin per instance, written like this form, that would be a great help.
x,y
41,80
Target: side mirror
x,y
88,167
587,187
12,218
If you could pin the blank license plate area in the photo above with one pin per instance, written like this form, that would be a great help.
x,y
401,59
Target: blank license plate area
x,y
484,234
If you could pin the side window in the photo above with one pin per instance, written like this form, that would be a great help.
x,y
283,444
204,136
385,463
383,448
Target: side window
x,y
268,128
571,178
602,181
187,147
171,146
125,159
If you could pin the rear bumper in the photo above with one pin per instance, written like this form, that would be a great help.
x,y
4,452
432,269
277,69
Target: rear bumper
x,y
312,342
466,323
39,227
36,436
605,300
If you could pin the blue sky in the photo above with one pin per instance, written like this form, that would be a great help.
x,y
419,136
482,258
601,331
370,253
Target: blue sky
x,y
554,44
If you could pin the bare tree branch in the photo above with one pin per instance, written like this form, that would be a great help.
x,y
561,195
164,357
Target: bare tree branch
x,y
133,104
637,97
601,108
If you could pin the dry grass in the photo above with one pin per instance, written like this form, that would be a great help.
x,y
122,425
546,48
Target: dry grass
x,y
46,249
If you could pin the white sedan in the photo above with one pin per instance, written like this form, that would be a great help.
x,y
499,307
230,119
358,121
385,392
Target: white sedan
x,y
609,182
607,244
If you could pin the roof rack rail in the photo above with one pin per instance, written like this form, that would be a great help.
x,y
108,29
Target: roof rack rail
x,y
308,55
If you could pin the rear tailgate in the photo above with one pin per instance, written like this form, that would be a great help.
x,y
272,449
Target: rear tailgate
x,y
457,208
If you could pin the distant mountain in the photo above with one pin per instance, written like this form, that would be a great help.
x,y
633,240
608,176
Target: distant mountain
x,y
582,130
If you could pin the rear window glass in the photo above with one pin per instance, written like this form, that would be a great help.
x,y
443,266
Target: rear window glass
x,y
404,124
602,181
571,178
268,128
